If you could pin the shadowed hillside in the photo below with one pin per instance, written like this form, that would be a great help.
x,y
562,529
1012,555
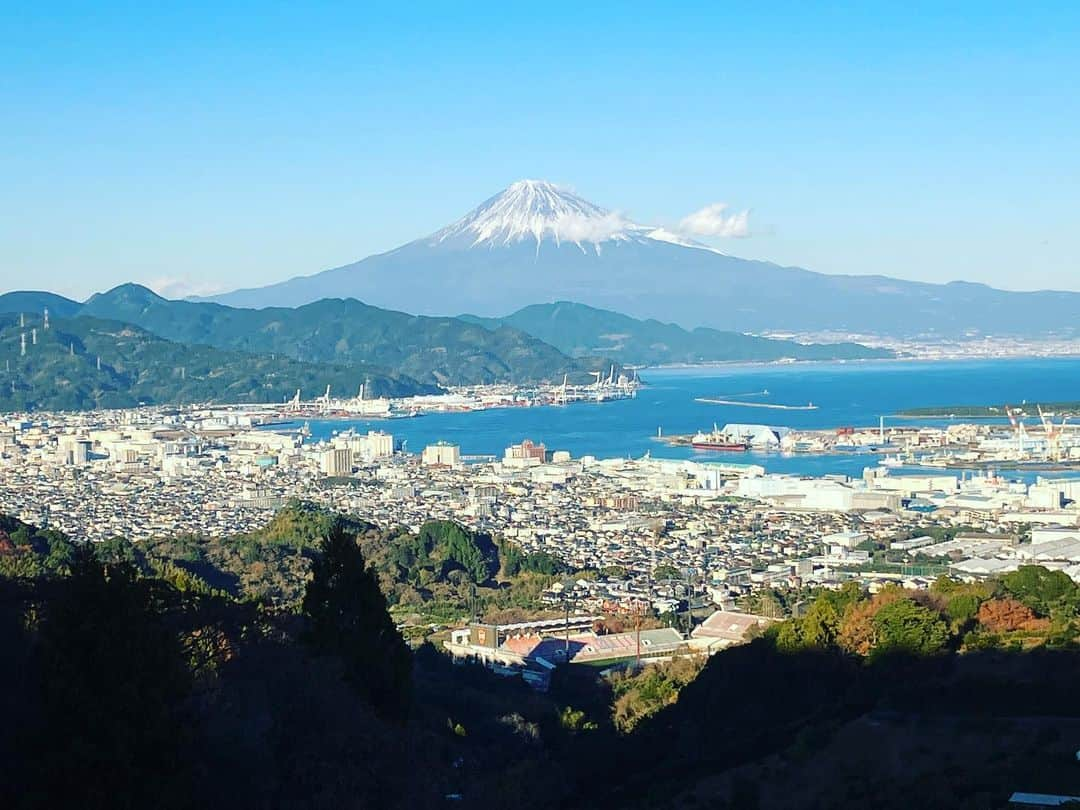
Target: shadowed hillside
x,y
134,682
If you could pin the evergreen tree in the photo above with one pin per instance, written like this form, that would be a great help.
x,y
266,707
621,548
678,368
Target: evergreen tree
x,y
904,626
348,618
111,689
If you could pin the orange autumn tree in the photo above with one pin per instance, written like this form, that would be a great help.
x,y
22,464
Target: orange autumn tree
x,y
1007,615
857,633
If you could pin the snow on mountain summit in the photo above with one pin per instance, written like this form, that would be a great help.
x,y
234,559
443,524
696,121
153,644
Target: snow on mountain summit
x,y
536,210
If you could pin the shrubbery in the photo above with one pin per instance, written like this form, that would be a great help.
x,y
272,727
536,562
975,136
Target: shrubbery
x,y
1033,602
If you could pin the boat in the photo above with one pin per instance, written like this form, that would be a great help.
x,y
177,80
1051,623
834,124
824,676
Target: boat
x,y
720,441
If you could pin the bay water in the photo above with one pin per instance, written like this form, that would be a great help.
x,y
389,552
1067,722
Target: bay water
x,y
853,394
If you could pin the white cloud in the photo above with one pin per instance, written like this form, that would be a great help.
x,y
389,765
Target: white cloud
x,y
713,220
183,286
581,228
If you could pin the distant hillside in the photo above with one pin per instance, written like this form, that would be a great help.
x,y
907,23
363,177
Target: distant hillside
x,y
578,330
433,350
61,371
34,301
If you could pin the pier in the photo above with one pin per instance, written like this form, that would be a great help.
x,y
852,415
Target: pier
x,y
810,406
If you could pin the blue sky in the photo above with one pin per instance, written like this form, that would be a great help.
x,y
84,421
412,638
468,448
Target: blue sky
x,y
213,146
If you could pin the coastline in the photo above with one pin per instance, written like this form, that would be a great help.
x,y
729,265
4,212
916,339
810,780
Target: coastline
x,y
778,364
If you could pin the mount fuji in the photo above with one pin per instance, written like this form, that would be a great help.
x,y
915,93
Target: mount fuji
x,y
536,242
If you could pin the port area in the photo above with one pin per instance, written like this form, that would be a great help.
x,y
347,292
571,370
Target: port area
x,y
819,439
1051,447
457,399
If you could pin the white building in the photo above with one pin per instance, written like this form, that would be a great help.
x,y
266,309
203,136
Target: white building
x,y
847,540
336,462
375,445
441,454
73,450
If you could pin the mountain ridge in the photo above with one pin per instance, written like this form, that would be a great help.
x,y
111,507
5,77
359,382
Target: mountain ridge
x,y
645,272
38,301
577,329
422,351
435,350
86,363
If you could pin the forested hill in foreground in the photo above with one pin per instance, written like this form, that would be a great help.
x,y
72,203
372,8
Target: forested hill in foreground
x,y
133,682
577,330
442,351
62,371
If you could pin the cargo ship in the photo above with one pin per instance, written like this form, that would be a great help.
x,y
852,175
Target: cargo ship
x,y
717,440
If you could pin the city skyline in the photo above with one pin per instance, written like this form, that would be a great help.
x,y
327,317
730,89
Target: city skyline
x,y
213,149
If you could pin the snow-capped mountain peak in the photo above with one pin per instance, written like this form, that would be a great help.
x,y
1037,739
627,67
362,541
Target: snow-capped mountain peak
x,y
536,210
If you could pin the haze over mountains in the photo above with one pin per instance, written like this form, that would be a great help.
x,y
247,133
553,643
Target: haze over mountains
x,y
535,243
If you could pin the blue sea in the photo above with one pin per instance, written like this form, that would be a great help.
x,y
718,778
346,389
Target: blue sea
x,y
846,394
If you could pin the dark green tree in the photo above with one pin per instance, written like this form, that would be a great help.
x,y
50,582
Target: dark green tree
x,y
540,562
111,685
59,552
119,550
348,618
511,558
820,625
475,553
1044,591
666,571
905,626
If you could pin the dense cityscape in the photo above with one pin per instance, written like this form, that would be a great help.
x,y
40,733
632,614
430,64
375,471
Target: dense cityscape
x,y
726,525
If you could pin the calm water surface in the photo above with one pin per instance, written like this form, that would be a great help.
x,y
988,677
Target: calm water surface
x,y
854,394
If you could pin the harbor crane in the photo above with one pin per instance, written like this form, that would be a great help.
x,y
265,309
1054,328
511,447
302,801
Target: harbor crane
x,y
1016,419
1053,434
364,386
560,392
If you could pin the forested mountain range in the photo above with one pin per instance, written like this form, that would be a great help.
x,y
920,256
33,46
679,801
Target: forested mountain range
x,y
88,363
442,351
232,354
